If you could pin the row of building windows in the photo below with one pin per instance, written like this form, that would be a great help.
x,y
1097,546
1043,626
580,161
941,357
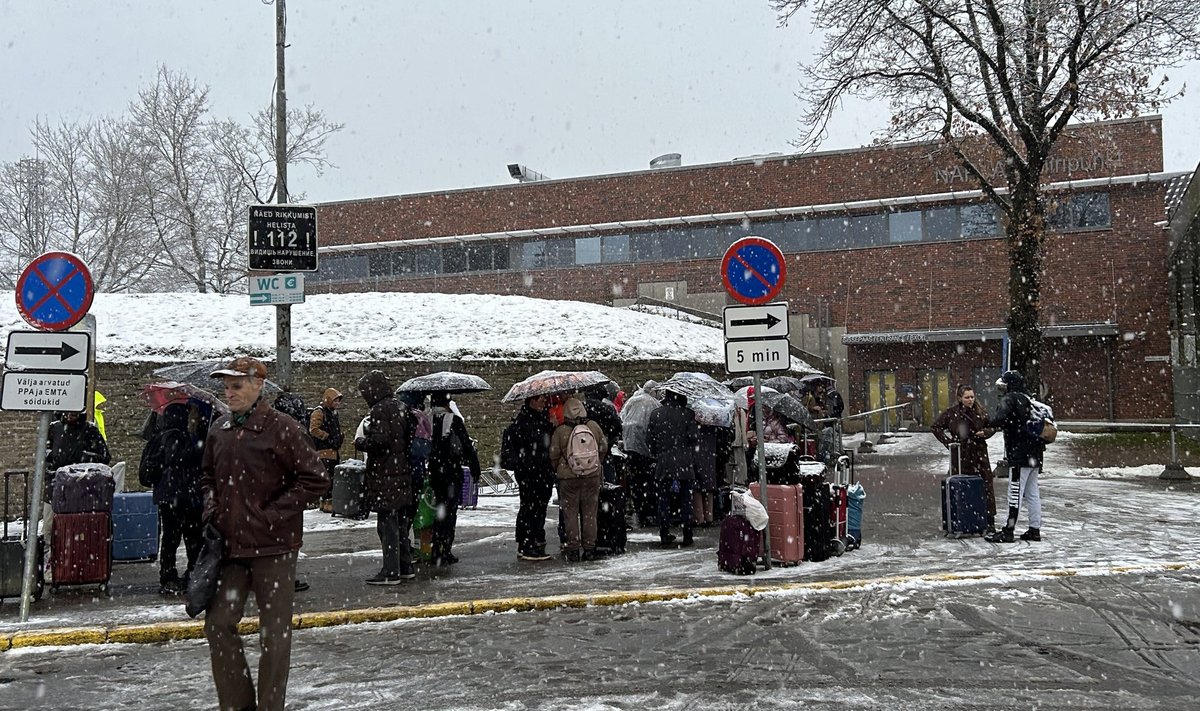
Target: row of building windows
x,y
1082,211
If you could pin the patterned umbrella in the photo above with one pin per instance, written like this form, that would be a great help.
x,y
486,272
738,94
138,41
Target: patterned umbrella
x,y
444,382
196,374
549,382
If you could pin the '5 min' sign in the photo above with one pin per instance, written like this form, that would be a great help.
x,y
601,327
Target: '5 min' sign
x,y
283,238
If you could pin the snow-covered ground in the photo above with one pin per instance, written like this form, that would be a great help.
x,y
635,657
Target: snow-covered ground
x,y
385,326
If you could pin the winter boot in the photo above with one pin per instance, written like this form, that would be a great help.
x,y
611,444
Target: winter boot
x,y
1033,534
666,538
1004,535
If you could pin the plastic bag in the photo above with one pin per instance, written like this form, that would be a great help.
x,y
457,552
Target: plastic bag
x,y
426,509
744,504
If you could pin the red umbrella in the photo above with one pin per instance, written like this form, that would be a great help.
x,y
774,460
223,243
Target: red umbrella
x,y
158,395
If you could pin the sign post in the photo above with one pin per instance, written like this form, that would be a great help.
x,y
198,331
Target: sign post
x,y
283,238
44,370
754,272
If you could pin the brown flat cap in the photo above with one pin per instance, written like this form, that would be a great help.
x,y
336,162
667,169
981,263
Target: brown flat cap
x,y
244,366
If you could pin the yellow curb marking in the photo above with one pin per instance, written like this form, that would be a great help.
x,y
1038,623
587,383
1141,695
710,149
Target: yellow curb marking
x,y
176,630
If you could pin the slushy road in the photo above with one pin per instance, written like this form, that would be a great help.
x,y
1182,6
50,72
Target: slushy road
x,y
1104,641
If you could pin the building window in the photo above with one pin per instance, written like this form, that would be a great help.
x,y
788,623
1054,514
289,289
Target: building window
x,y
480,257
429,260
832,233
454,259
904,227
500,254
646,247
404,262
587,250
533,255
560,252
941,224
614,248
868,230
979,220
1081,211
704,243
379,263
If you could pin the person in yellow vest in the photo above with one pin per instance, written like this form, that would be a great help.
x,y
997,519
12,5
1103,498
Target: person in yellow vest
x,y
98,414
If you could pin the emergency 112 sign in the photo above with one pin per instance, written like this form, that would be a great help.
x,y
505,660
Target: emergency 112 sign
x,y
283,238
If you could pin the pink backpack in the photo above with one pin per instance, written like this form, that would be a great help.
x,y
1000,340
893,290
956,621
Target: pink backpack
x,y
583,452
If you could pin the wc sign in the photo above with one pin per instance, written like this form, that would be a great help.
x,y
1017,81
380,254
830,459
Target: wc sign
x,y
276,289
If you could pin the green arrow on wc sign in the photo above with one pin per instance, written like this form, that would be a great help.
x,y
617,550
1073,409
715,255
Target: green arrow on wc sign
x,y
277,289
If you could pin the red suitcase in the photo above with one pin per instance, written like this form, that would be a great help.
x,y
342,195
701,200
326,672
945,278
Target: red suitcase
x,y
785,517
839,518
81,549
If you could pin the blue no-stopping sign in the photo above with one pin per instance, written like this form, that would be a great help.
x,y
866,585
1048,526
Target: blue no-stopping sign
x,y
753,270
55,291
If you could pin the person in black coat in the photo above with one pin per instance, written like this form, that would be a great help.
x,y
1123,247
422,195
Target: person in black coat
x,y
601,411
671,438
452,449
388,479
525,449
74,440
1023,449
171,465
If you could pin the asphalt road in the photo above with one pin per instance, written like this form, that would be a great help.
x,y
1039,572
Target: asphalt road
x,y
1102,642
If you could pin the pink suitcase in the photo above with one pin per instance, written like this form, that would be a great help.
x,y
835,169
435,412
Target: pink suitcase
x,y
785,520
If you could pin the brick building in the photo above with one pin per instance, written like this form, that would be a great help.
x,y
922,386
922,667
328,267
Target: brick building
x,y
898,270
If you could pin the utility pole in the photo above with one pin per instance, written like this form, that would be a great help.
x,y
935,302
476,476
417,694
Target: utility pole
x,y
283,312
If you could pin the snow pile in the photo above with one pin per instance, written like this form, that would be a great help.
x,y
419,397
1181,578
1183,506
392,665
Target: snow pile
x,y
385,327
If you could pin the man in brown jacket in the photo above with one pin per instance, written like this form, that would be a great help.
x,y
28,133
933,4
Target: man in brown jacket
x,y
326,429
260,471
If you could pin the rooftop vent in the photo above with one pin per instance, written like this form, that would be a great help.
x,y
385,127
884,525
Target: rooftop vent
x,y
667,160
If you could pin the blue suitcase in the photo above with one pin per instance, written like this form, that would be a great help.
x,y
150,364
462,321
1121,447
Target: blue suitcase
x,y
964,508
135,527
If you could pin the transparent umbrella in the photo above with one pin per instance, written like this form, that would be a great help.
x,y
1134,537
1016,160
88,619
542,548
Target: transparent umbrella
x,y
444,382
196,374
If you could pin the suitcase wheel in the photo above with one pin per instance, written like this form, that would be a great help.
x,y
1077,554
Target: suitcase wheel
x,y
838,547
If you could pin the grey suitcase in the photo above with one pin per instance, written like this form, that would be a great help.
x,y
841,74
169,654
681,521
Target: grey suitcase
x,y
348,489
12,544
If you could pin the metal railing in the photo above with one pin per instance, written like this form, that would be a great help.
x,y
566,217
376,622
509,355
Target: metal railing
x,y
867,445
1174,469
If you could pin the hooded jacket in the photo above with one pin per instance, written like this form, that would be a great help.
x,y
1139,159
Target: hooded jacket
x,y
1022,448
257,480
574,413
171,462
525,445
671,438
388,478
325,426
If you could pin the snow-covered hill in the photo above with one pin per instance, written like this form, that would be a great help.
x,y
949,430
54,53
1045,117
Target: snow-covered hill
x,y
385,326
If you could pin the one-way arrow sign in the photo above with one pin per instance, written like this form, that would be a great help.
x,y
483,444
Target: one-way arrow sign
x,y
765,321
62,351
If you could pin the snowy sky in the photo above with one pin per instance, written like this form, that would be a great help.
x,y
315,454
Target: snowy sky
x,y
440,95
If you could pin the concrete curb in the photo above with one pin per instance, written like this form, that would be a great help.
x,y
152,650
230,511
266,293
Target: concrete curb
x,y
159,632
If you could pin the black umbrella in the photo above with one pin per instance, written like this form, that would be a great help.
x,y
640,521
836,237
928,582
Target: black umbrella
x,y
785,384
789,407
197,374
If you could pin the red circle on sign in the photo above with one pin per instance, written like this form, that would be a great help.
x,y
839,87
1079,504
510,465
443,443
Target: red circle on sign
x,y
55,291
754,269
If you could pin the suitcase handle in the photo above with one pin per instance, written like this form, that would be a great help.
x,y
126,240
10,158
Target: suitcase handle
x,y
956,457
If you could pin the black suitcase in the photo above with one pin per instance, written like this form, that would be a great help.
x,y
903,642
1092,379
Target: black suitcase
x,y
12,544
818,506
610,519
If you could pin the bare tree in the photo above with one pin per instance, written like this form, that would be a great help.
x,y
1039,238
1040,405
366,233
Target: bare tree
x,y
93,200
24,222
997,79
250,150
